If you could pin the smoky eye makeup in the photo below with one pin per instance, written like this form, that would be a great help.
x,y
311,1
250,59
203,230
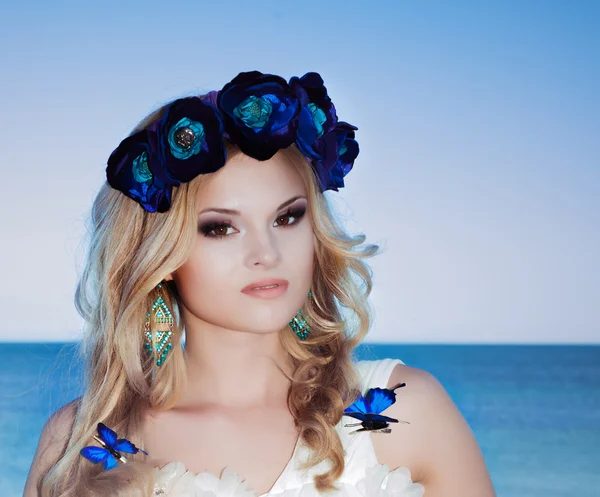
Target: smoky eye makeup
x,y
221,226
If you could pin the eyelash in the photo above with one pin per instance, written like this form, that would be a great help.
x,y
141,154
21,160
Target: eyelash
x,y
296,213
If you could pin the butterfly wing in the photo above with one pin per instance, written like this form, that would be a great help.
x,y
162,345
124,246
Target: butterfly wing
x,y
368,408
359,406
95,454
106,434
380,418
124,445
371,417
379,399
101,454
110,462
357,415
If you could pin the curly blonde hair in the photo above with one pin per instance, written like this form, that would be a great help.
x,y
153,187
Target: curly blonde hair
x,y
130,252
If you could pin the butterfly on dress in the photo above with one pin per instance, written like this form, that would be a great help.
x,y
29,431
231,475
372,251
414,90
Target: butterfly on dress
x,y
368,410
111,449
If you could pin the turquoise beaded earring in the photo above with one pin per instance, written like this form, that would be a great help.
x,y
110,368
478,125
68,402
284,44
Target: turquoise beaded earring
x,y
163,326
299,324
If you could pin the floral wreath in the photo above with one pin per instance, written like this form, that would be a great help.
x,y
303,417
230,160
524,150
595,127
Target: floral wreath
x,y
260,113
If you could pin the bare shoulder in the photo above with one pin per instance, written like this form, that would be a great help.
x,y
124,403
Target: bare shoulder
x,y
51,445
438,444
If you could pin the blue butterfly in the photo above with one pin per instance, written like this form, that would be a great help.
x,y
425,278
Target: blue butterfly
x,y
368,410
111,448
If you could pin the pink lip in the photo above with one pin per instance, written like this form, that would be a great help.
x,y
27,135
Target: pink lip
x,y
269,293
267,282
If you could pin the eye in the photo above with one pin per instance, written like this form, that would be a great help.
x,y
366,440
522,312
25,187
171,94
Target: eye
x,y
295,213
217,228
220,229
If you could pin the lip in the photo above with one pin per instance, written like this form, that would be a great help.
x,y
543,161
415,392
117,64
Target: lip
x,y
269,293
266,282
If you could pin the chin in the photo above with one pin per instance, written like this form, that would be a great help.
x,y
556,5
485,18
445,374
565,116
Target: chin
x,y
266,322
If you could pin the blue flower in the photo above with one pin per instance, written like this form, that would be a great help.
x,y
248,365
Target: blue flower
x,y
260,113
191,139
347,152
141,171
317,118
254,111
134,169
186,138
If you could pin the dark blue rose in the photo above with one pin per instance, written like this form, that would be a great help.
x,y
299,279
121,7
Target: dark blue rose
x,y
260,113
186,138
317,118
191,139
134,169
254,112
347,152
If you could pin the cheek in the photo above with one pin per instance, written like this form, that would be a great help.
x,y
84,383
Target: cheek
x,y
298,253
207,274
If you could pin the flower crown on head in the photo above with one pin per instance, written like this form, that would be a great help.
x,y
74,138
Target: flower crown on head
x,y
260,113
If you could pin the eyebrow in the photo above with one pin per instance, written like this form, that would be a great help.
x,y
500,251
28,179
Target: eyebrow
x,y
233,212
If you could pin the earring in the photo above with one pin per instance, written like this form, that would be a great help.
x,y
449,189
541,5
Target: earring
x,y
299,324
163,326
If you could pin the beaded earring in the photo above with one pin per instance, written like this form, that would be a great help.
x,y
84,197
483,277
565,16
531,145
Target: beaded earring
x,y
299,324
163,326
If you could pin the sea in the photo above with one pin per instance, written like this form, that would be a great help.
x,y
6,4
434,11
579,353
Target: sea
x,y
534,409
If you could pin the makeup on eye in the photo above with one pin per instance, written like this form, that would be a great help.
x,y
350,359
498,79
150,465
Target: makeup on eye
x,y
206,228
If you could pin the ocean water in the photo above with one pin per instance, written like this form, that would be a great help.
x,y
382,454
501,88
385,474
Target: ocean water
x,y
535,410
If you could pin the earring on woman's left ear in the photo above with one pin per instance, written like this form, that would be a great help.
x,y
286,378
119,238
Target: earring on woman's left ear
x,y
299,324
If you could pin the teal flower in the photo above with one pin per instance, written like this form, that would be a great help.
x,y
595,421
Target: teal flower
x,y
191,139
259,112
319,118
186,138
347,153
141,170
255,111
134,169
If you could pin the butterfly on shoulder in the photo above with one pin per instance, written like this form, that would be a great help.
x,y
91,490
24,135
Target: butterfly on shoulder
x,y
368,410
111,449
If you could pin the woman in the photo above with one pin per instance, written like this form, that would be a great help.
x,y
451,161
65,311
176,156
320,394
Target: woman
x,y
213,222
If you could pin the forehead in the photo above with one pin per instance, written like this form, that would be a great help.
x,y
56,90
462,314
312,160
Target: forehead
x,y
244,182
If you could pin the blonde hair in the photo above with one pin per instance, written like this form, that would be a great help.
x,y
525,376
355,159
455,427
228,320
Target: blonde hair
x,y
130,252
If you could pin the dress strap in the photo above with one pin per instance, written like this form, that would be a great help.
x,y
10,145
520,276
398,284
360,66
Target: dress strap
x,y
376,373
359,450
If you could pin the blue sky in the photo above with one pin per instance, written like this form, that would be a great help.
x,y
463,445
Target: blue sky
x,y
479,171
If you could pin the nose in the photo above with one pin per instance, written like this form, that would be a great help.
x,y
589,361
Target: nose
x,y
263,249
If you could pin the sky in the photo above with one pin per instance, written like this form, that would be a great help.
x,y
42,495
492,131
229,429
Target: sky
x,y
479,127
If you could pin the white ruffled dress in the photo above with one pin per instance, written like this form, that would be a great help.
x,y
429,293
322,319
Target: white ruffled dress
x,y
363,476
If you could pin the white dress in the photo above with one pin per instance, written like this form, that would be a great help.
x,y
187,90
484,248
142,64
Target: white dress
x,y
363,476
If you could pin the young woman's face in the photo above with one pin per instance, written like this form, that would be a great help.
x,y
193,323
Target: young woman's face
x,y
271,237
